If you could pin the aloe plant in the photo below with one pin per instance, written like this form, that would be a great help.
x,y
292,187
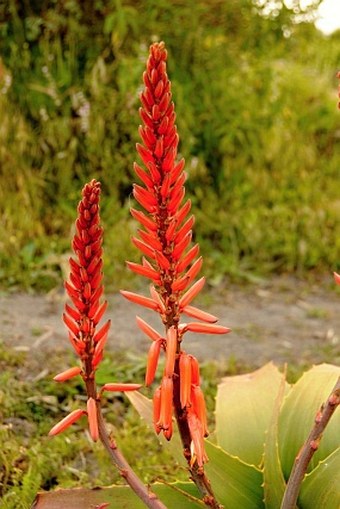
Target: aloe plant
x,y
261,423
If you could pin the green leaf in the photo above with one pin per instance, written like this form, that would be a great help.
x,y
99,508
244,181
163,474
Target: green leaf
x,y
274,483
235,484
321,488
119,497
144,407
244,406
298,414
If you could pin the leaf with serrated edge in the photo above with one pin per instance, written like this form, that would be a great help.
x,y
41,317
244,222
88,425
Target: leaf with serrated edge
x,y
174,495
273,481
244,406
235,484
321,487
143,405
298,413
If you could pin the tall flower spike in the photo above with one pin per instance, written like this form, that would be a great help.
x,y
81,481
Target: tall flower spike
x,y
171,263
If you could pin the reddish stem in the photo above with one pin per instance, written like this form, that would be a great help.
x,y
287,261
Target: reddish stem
x,y
149,498
309,448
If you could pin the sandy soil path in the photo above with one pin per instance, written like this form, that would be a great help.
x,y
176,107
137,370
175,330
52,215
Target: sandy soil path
x,y
283,319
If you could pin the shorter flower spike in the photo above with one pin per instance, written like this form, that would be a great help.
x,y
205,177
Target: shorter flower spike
x,y
117,387
69,373
93,419
66,422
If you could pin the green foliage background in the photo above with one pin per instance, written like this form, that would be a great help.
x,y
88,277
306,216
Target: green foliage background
x,y
255,96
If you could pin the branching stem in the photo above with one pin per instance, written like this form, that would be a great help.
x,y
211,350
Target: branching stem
x,y
309,448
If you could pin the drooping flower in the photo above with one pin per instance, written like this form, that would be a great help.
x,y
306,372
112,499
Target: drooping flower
x,y
169,261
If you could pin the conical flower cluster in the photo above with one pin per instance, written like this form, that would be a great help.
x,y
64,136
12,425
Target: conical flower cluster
x,y
169,260
82,319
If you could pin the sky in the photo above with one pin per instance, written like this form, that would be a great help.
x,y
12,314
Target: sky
x,y
329,16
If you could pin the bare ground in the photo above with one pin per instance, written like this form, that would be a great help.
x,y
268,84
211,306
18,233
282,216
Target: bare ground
x,y
282,320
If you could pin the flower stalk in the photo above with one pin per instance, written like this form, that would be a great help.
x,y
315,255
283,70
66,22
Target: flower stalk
x,y
171,264
311,445
88,338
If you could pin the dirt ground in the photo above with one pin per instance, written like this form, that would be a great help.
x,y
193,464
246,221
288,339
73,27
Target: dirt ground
x,y
282,319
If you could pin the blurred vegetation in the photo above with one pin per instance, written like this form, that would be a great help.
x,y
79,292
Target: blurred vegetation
x,y
255,94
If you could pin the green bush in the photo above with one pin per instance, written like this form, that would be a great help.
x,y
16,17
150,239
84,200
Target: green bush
x,y
256,103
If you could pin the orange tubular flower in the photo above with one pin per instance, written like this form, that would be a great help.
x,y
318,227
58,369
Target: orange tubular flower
x,y
168,260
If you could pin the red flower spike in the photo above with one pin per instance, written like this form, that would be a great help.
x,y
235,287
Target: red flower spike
x,y
185,379
337,278
66,375
147,329
66,422
165,242
152,363
171,347
116,387
93,419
